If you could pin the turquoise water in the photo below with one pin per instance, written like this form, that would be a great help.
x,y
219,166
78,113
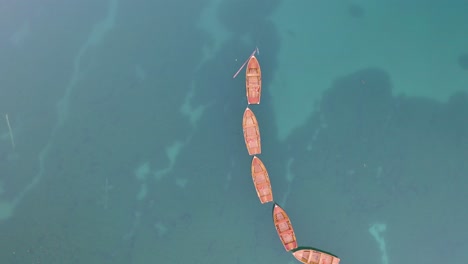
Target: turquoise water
x,y
121,137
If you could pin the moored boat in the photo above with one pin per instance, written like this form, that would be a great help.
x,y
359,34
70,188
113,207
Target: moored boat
x,y
261,181
309,255
253,81
251,132
284,228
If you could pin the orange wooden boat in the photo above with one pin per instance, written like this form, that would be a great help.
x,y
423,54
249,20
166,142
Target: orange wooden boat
x,y
310,255
284,228
261,181
251,132
253,81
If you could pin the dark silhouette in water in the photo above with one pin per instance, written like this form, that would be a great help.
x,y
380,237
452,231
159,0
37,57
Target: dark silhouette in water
x,y
463,61
355,11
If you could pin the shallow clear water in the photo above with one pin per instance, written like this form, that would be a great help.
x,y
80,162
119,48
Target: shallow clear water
x,y
121,131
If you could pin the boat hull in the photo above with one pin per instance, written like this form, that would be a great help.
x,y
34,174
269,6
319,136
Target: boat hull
x,y
284,228
261,181
309,255
253,81
251,133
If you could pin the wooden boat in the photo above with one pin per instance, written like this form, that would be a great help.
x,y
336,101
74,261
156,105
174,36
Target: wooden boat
x,y
261,181
253,81
284,228
251,132
310,255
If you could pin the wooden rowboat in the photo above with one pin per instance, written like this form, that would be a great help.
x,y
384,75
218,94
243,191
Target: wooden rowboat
x,y
251,132
253,81
261,181
284,228
310,255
